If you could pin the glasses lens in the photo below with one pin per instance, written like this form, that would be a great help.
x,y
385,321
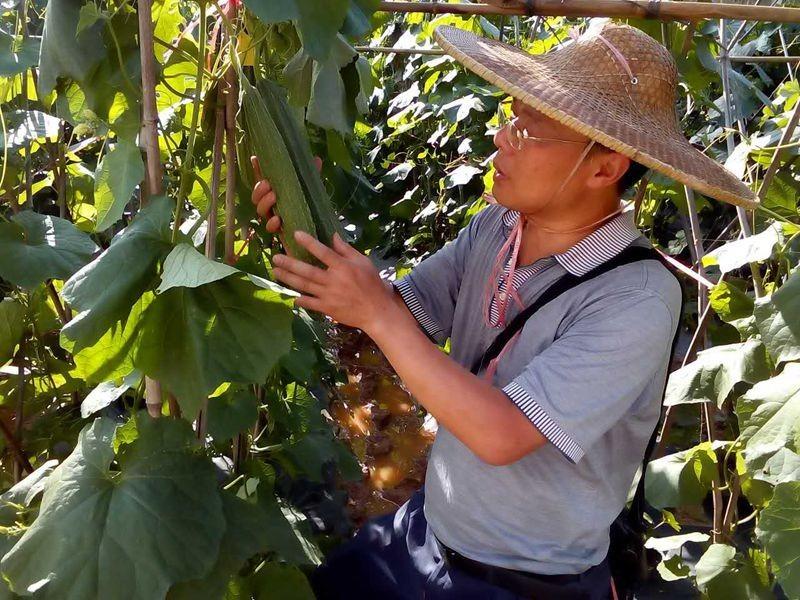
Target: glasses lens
x,y
516,136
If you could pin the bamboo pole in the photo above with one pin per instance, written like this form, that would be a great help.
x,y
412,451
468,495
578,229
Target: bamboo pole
x,y
149,131
149,139
666,10
775,163
697,246
785,50
764,59
389,50
741,213
231,101
216,170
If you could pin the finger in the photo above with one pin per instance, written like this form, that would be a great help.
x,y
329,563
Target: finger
x,y
344,248
265,205
261,188
309,303
264,208
256,167
316,248
296,282
298,267
318,162
274,224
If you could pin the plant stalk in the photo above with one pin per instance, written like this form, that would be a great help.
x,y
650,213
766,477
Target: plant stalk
x,y
149,139
188,159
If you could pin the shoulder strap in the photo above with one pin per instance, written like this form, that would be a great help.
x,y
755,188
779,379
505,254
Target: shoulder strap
x,y
638,502
567,282
628,255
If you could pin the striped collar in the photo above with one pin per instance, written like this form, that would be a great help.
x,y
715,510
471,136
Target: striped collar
x,y
596,248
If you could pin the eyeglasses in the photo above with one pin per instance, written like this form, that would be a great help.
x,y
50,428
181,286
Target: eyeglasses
x,y
518,136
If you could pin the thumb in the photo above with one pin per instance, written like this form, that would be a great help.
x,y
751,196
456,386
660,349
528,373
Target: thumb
x,y
318,162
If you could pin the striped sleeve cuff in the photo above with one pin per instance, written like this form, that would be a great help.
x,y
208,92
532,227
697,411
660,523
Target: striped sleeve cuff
x,y
547,426
429,325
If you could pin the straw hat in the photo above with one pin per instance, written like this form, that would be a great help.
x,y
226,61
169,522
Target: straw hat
x,y
614,84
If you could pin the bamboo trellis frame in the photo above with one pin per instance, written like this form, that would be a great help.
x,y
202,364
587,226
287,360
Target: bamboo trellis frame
x,y
666,10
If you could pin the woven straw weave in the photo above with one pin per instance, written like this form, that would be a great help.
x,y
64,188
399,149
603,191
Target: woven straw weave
x,y
586,87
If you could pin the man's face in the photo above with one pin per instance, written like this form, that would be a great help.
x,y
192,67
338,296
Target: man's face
x,y
527,179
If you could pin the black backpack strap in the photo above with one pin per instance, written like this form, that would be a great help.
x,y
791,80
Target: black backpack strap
x,y
638,502
628,255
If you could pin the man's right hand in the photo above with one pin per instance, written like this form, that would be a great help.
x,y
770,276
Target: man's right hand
x,y
264,198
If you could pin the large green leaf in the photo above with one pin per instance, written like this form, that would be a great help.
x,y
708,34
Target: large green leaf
x,y
733,306
126,534
194,339
715,372
34,248
275,581
106,393
327,107
746,250
319,22
769,419
105,289
16,58
357,21
778,530
186,267
245,527
273,11
115,180
111,356
286,531
721,573
17,500
683,478
231,413
167,19
778,320
64,53
12,326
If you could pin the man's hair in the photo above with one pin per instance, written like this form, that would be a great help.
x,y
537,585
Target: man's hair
x,y
634,173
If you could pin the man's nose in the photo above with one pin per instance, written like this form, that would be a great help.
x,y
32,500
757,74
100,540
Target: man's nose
x,y
500,138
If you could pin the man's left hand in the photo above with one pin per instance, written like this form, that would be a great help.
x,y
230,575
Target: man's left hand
x,y
349,290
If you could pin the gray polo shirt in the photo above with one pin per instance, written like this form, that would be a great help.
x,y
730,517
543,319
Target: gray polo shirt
x,y
588,370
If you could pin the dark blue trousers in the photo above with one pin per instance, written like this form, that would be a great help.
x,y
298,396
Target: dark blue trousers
x,y
397,557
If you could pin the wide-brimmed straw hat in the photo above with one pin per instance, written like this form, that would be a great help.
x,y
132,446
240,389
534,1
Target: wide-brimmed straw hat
x,y
613,84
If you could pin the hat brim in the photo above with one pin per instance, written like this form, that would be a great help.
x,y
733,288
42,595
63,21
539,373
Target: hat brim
x,y
533,80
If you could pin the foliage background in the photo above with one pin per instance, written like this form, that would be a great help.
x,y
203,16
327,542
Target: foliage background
x,y
103,286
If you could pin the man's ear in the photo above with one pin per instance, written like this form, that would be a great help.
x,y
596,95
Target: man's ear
x,y
609,167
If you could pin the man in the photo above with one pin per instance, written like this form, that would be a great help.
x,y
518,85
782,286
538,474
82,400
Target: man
x,y
537,450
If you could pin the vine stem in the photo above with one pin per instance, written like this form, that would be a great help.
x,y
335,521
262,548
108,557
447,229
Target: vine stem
x,y
62,313
23,464
231,102
186,167
211,227
149,139
19,466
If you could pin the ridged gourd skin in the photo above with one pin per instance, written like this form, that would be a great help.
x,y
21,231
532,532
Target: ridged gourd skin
x,y
277,166
325,219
